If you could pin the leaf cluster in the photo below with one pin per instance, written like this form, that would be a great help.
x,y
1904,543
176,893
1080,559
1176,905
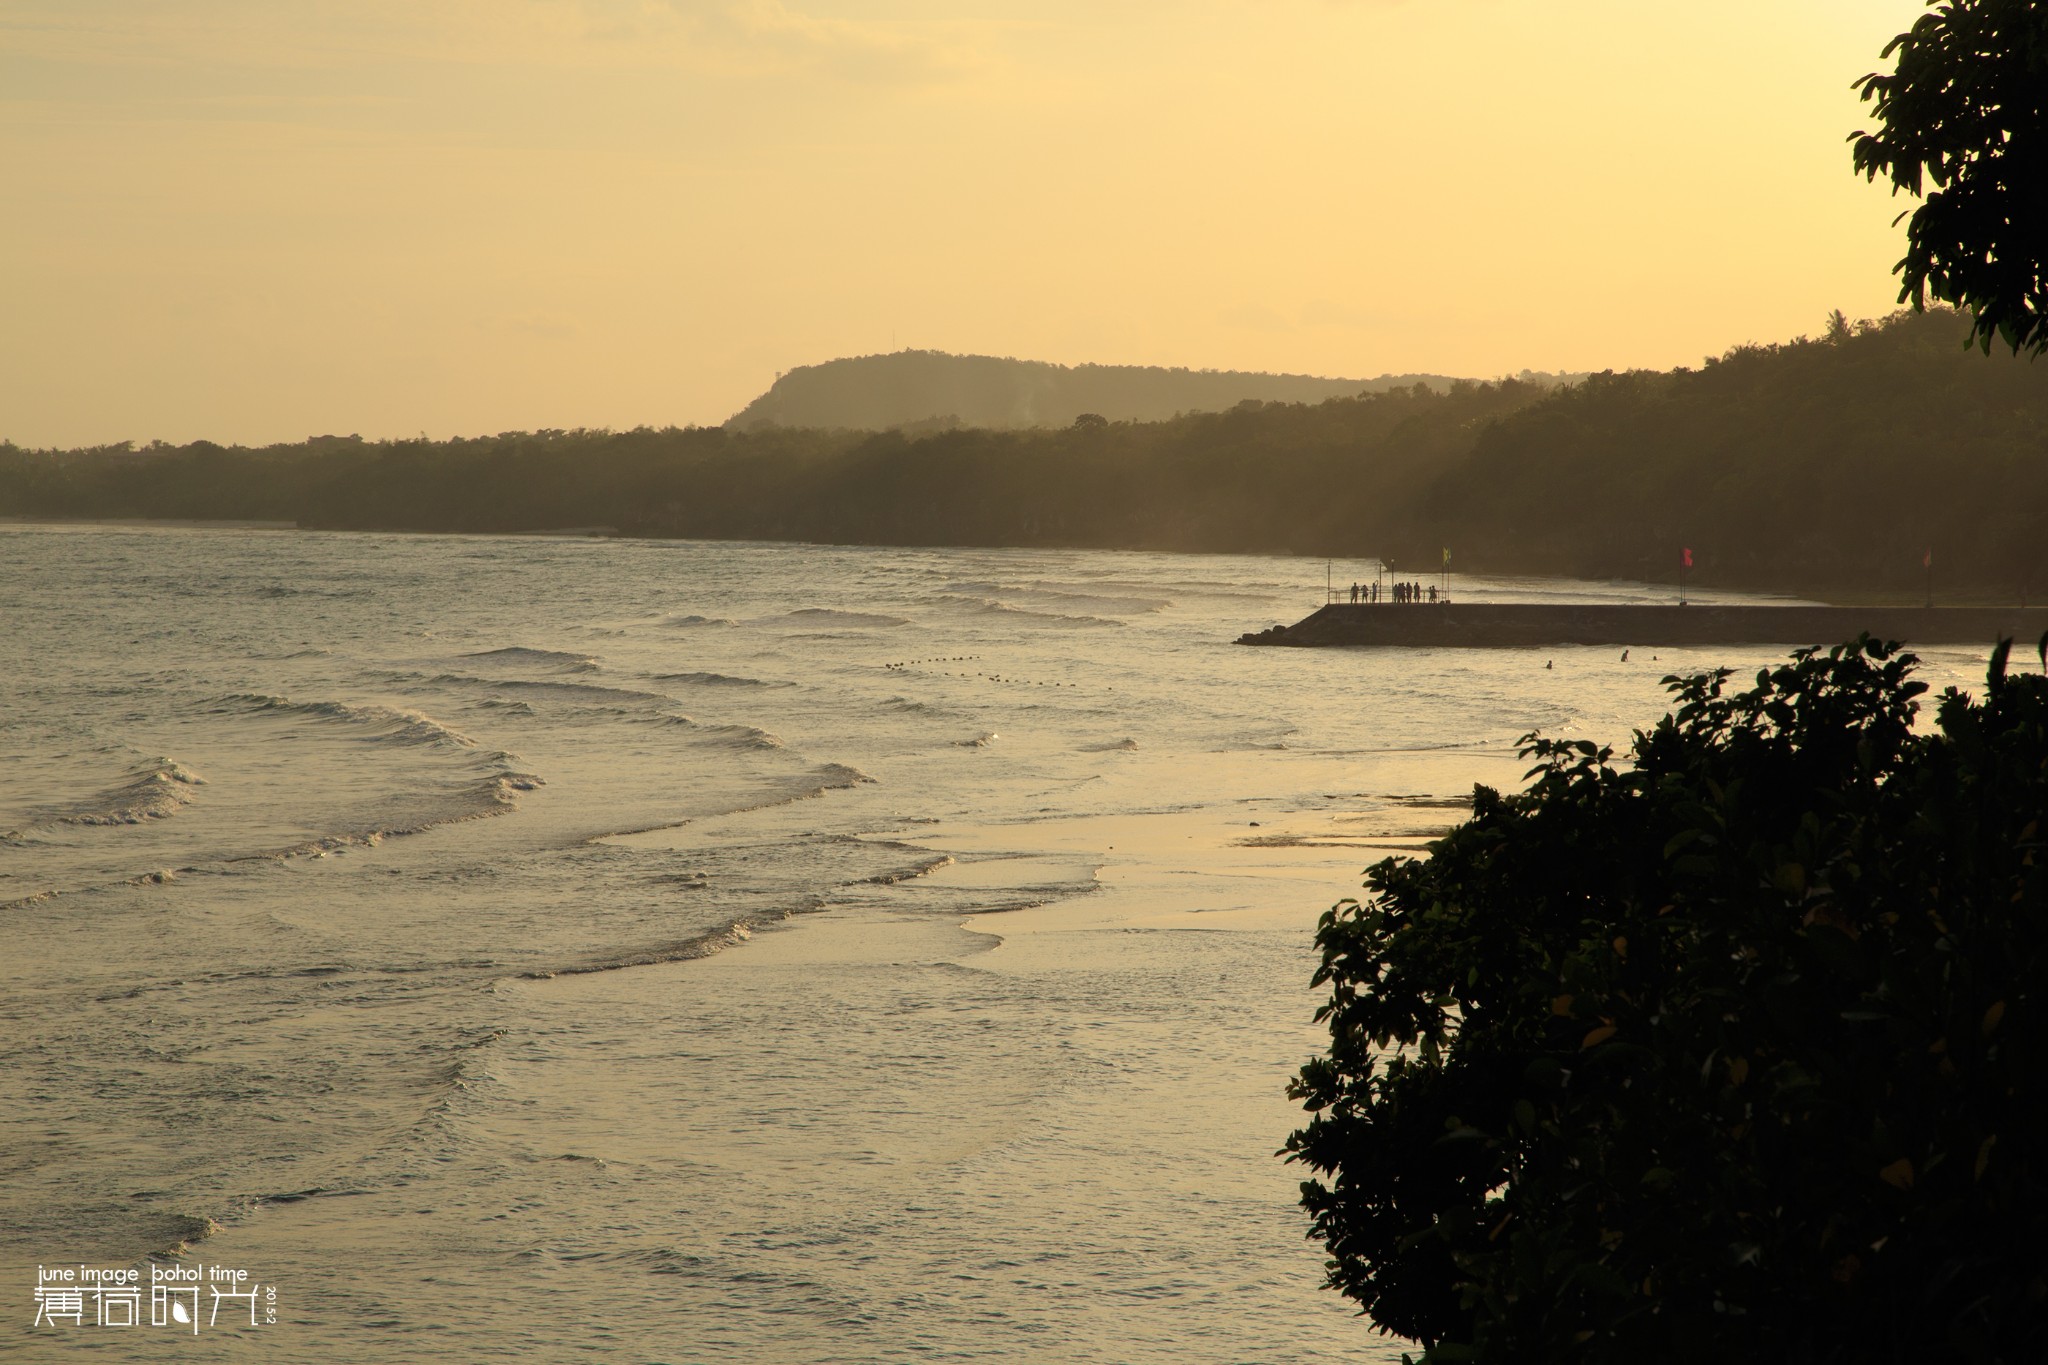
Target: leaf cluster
x,y
1966,111
1731,1052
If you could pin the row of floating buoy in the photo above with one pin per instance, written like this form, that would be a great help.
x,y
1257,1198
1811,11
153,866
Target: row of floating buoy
x,y
973,658
1018,682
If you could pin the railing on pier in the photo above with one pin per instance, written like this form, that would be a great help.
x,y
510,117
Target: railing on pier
x,y
1341,597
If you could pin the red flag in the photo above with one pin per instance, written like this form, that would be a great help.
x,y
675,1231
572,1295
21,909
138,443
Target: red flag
x,y
1688,556
1927,560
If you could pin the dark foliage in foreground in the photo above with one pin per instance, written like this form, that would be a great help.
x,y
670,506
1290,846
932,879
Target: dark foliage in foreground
x,y
1731,1054
1830,465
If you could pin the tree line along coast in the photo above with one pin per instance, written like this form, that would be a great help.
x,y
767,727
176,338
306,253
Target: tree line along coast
x,y
1838,465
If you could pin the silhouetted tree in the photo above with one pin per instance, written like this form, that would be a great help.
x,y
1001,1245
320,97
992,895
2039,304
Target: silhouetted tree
x,y
1967,109
1729,1054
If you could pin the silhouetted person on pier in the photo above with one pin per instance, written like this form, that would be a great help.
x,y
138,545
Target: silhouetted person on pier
x,y
1432,592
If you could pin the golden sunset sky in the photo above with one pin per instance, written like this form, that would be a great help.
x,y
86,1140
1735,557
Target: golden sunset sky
x,y
256,220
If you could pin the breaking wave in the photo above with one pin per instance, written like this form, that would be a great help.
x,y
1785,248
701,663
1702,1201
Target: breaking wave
x,y
734,736
715,940
390,724
156,791
495,792
923,868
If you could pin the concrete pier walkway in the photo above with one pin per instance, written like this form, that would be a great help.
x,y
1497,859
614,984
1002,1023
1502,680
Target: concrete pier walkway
x,y
1490,625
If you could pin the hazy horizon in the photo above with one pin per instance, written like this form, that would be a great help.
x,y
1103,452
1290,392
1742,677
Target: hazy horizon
x,y
251,225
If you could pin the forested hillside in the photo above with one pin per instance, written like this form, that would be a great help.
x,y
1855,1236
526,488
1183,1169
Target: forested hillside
x,y
1839,463
1827,466
931,390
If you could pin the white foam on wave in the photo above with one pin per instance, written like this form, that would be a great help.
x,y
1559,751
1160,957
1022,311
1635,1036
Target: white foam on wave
x,y
490,782
735,736
734,931
493,787
496,792
156,791
924,867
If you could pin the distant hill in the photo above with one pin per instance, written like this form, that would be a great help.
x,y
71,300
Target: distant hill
x,y
933,391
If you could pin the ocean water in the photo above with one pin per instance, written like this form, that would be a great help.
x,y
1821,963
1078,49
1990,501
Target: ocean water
x,y
556,949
